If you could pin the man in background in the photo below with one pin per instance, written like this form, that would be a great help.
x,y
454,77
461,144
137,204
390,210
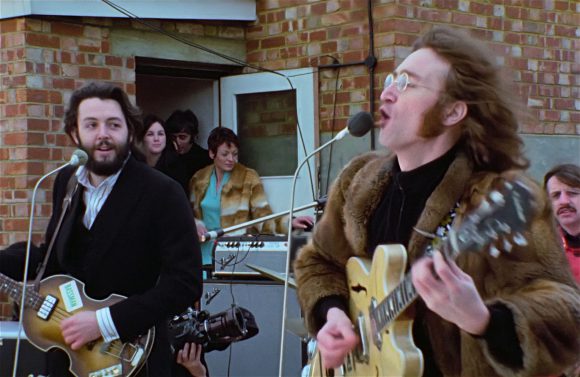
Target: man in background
x,y
562,183
183,128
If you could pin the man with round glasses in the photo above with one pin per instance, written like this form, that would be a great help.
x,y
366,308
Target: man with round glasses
x,y
450,125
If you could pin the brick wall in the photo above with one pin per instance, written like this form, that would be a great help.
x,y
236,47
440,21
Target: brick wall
x,y
538,39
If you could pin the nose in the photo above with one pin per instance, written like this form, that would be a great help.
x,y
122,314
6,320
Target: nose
x,y
102,131
389,94
564,198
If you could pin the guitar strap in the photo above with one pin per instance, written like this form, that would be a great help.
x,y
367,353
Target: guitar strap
x,y
442,230
71,188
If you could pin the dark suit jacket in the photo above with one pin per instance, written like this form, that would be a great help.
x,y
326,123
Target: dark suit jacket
x,y
144,247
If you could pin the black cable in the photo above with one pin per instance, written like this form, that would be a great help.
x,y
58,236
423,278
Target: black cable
x,y
332,131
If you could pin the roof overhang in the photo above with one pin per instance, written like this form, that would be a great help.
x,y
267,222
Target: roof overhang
x,y
233,10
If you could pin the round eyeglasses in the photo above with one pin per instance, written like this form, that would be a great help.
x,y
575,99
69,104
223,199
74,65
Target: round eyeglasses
x,y
401,80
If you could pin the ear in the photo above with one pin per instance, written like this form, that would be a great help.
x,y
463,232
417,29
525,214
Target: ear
x,y
74,135
211,154
454,113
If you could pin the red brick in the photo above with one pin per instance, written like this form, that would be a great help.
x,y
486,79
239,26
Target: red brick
x,y
318,9
105,47
130,63
329,47
273,42
11,25
319,35
38,124
63,83
70,30
563,104
15,224
65,57
114,60
275,16
15,110
94,73
42,40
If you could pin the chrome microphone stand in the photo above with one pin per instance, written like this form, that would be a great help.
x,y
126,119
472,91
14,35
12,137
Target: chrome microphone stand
x,y
339,136
79,157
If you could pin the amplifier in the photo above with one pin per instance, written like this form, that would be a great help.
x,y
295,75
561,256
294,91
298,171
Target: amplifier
x,y
231,254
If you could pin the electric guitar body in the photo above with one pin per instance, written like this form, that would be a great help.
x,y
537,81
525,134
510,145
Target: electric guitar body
x,y
393,353
368,284
60,297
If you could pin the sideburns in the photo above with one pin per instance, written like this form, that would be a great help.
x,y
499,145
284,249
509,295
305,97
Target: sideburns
x,y
432,121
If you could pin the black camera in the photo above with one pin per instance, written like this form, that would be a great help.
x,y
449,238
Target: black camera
x,y
216,331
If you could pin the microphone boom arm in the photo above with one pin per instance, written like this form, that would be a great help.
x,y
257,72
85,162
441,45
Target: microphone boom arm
x,y
339,136
219,232
27,261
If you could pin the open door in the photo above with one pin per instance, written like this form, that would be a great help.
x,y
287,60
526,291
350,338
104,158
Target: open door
x,y
273,115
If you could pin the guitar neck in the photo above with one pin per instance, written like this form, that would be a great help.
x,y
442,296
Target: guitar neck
x,y
394,304
405,293
14,289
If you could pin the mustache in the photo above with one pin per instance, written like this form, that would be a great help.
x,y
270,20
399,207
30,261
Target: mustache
x,y
103,143
565,207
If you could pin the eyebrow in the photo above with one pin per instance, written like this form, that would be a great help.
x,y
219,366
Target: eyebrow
x,y
411,74
574,190
108,119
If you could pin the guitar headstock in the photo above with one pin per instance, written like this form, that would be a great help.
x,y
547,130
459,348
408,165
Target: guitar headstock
x,y
500,220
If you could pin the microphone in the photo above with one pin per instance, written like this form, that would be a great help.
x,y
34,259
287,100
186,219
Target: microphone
x,y
357,126
79,157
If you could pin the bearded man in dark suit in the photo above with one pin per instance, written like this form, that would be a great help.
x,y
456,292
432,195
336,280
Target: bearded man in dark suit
x,y
129,231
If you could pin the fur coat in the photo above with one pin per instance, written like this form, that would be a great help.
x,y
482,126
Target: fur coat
x,y
242,199
533,281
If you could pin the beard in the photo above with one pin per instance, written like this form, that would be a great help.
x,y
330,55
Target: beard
x,y
107,167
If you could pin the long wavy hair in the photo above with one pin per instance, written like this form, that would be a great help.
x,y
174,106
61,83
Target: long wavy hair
x,y
490,129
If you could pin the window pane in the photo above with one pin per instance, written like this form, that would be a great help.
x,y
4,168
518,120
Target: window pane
x,y
267,132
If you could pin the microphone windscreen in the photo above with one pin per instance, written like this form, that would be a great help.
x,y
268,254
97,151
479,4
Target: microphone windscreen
x,y
360,123
79,157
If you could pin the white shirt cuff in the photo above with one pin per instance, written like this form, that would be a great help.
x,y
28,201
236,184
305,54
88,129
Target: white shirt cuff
x,y
106,325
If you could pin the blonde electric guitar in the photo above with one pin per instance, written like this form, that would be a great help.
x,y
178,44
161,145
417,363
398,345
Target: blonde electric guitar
x,y
381,291
60,297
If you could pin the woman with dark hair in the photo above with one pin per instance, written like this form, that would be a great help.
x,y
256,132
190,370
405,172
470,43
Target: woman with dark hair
x,y
160,154
227,193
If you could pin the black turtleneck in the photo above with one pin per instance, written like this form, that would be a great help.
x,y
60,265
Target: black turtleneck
x,y
403,201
